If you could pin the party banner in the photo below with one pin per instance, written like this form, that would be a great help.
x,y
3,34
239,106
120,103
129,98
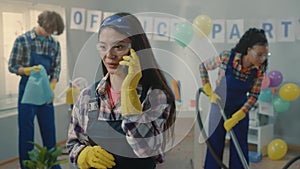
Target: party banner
x,y
234,30
223,30
161,29
94,18
77,19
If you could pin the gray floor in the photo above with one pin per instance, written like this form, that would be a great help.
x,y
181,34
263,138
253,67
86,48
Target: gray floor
x,y
189,154
178,157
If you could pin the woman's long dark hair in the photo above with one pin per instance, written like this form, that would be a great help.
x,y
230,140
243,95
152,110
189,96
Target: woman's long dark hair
x,y
152,77
252,37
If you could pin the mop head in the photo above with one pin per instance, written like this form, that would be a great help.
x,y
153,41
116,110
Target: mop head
x,y
255,157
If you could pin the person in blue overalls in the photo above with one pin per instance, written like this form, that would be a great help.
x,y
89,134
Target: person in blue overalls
x,y
126,120
33,48
240,76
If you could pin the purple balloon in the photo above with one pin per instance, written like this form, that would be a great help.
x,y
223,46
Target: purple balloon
x,y
275,78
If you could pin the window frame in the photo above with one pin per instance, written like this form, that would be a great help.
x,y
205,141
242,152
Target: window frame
x,y
30,12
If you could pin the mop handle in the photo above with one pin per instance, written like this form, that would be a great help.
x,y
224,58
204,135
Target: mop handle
x,y
234,139
209,145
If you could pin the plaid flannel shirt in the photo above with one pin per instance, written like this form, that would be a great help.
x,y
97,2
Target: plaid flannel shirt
x,y
20,54
221,62
143,132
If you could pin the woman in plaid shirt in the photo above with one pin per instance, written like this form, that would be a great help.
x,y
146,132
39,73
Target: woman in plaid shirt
x,y
241,72
125,120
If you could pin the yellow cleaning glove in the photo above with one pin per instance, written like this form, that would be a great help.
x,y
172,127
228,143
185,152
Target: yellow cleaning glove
x,y
130,102
213,97
95,157
71,95
236,117
27,70
52,85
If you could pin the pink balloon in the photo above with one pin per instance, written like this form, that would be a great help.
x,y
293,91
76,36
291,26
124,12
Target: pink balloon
x,y
265,82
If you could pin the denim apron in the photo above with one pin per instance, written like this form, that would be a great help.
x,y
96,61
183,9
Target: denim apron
x,y
110,136
234,92
27,112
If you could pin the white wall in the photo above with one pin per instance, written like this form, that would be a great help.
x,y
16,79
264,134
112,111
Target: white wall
x,y
9,131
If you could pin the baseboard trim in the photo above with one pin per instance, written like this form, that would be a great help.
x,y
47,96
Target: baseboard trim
x,y
294,147
8,161
290,147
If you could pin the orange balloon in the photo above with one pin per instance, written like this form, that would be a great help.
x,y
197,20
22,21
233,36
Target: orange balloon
x,y
289,91
274,89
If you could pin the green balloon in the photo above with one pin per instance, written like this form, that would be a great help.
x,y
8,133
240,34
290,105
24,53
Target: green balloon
x,y
183,33
280,105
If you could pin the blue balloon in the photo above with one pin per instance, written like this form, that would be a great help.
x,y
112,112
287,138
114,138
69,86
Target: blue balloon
x,y
265,95
183,33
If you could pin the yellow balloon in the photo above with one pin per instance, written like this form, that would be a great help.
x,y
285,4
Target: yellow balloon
x,y
202,25
289,91
277,149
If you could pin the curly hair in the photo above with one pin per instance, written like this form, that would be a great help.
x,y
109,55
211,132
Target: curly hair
x,y
251,37
52,22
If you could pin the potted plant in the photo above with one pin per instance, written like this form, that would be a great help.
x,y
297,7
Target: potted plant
x,y
42,158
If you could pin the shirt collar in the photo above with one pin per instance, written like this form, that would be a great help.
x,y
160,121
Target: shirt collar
x,y
102,87
33,35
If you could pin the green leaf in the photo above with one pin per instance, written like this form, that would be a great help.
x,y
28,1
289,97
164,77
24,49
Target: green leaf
x,y
38,146
60,162
29,164
33,155
41,157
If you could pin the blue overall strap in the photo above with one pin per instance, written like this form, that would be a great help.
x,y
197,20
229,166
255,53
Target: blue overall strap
x,y
110,136
236,94
46,60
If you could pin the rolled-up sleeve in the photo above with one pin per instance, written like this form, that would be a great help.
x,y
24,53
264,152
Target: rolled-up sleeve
x,y
209,64
76,134
15,59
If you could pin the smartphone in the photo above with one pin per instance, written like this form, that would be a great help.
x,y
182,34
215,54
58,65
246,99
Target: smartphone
x,y
125,69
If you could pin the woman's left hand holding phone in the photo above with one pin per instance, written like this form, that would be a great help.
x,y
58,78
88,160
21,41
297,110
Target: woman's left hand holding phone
x,y
130,103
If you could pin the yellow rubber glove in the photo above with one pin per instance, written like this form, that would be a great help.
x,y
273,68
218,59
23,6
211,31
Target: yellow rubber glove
x,y
130,102
235,118
71,95
27,70
95,157
213,97
52,85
